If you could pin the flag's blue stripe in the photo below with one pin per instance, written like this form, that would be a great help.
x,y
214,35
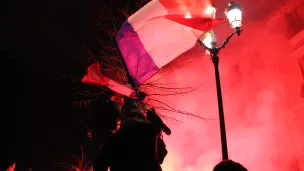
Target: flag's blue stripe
x,y
138,61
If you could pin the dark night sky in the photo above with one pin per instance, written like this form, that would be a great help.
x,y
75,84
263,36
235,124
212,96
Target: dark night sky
x,y
45,39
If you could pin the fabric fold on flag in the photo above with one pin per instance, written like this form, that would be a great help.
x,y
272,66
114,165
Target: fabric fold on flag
x,y
161,31
195,22
94,76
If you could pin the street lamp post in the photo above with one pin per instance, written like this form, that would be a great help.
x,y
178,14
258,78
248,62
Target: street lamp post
x,y
234,15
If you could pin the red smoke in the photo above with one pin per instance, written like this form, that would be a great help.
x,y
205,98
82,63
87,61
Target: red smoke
x,y
261,84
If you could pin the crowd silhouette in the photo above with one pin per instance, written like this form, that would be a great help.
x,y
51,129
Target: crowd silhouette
x,y
129,138
135,141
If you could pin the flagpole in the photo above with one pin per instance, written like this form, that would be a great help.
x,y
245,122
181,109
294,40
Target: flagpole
x,y
129,77
165,128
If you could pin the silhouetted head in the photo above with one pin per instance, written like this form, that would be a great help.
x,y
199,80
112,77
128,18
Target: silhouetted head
x,y
130,111
128,106
229,165
113,107
137,116
102,114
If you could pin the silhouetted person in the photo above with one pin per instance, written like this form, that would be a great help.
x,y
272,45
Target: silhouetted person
x,y
229,165
133,147
160,127
103,119
156,121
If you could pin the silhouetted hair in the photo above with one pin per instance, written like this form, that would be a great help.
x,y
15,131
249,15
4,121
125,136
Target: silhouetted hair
x,y
136,115
229,165
128,106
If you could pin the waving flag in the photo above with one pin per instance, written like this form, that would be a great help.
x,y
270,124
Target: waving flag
x,y
94,76
161,31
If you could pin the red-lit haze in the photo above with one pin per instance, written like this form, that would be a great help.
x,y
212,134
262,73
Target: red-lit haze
x,y
264,112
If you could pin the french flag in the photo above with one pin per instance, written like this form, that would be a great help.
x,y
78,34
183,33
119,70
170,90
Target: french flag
x,y
94,76
161,31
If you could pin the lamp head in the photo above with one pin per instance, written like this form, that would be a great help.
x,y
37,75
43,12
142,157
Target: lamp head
x,y
234,15
208,39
